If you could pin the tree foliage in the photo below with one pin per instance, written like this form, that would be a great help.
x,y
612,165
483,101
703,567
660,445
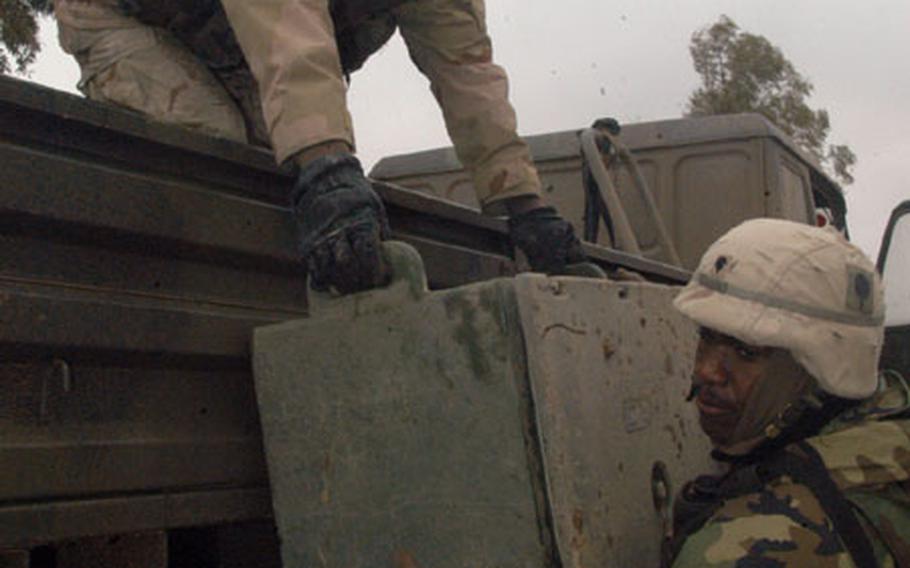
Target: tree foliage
x,y
742,72
19,33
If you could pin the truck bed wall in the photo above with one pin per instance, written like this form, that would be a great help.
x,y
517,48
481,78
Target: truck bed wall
x,y
135,260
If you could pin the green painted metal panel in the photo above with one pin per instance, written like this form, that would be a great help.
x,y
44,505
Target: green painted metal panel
x,y
522,422
395,423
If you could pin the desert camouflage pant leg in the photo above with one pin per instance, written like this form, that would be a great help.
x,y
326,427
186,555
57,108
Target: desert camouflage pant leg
x,y
290,45
133,65
448,41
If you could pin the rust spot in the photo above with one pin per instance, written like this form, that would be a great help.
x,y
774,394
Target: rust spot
x,y
578,520
403,559
643,322
608,350
499,182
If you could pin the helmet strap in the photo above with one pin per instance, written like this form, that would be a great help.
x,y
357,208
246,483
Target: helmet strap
x,y
804,419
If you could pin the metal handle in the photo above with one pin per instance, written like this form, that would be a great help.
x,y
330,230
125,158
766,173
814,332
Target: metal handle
x,y
625,238
646,194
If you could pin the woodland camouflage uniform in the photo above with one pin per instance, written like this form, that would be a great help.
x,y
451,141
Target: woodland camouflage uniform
x,y
868,456
138,54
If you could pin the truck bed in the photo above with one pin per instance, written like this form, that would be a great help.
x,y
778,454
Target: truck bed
x,y
135,260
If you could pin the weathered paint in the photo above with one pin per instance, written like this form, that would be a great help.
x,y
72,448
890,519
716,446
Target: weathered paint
x,y
486,425
399,428
609,366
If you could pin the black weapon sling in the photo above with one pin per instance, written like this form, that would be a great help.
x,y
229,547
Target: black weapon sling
x,y
811,472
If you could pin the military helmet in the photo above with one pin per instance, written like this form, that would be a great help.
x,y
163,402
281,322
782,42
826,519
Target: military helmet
x,y
782,284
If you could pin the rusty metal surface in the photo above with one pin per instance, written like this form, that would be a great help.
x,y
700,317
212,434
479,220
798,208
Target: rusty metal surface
x,y
609,368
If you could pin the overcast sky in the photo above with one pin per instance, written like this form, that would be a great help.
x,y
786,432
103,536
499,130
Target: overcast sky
x,y
575,60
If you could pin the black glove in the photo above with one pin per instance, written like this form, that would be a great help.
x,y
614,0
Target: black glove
x,y
547,240
341,222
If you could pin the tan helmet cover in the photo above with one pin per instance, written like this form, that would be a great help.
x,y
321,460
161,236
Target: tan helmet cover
x,y
782,284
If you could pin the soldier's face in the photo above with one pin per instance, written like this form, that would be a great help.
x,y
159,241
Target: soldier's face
x,y
726,372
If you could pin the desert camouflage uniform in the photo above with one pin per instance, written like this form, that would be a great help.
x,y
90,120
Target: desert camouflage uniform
x,y
291,48
784,524
144,68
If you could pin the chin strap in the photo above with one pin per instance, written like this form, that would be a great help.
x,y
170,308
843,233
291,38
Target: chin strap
x,y
798,421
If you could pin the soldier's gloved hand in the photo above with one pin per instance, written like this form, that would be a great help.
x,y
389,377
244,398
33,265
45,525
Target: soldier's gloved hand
x,y
547,240
341,223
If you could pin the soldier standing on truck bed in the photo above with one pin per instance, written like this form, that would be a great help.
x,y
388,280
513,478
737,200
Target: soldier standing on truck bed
x,y
787,388
181,62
